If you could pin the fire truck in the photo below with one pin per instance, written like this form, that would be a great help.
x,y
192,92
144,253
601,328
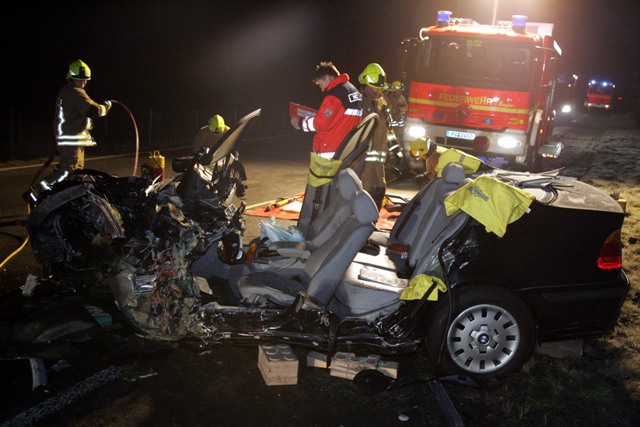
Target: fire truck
x,y
483,89
599,95
566,97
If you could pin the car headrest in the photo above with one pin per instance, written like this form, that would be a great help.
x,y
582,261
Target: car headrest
x,y
453,173
364,208
348,183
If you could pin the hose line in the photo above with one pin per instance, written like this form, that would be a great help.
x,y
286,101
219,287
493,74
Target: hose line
x,y
135,127
17,251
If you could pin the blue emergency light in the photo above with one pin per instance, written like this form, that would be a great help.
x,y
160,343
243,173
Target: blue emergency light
x,y
519,23
443,18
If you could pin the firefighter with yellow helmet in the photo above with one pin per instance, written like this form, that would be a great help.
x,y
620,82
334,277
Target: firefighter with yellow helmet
x,y
73,122
397,104
373,82
209,135
424,148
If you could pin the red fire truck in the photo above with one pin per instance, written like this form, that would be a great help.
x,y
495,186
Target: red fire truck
x,y
484,89
599,95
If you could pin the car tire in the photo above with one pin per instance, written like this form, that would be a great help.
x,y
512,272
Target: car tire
x,y
486,332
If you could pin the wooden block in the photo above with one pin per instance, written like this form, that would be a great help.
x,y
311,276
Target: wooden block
x,y
317,360
278,364
347,365
390,369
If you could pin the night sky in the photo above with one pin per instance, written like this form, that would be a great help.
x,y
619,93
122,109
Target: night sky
x,y
237,55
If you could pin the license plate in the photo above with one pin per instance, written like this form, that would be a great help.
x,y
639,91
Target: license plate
x,y
459,135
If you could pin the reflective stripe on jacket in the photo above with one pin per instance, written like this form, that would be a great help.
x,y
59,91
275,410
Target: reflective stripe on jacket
x,y
340,111
73,116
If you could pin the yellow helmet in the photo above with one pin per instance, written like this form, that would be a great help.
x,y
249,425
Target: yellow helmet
x,y
420,147
396,86
78,70
216,124
374,76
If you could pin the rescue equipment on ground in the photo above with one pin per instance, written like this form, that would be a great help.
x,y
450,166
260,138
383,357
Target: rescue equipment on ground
x,y
154,168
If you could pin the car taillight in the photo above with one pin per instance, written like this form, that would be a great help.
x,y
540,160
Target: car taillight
x,y
610,257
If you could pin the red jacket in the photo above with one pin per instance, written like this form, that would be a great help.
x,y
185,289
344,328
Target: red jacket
x,y
340,111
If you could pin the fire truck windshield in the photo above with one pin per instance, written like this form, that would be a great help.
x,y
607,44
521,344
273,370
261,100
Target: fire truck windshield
x,y
484,63
601,87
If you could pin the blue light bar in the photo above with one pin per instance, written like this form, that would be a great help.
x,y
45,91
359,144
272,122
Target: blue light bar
x,y
443,18
519,23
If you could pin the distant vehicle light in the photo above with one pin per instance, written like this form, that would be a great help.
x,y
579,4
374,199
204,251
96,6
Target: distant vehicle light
x,y
566,108
416,131
509,142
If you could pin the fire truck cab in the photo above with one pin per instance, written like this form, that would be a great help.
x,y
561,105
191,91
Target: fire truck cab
x,y
599,95
483,89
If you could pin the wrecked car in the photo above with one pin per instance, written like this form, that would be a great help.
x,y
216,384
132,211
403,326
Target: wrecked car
x,y
478,282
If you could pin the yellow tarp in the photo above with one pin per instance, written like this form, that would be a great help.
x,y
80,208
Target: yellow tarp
x,y
491,202
420,284
469,163
322,170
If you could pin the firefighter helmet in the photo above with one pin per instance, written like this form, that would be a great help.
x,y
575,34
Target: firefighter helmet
x,y
374,76
420,147
396,86
216,124
78,70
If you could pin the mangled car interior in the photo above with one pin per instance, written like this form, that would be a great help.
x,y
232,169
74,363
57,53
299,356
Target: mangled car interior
x,y
475,268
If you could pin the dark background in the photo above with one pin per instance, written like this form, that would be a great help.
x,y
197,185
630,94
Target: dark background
x,y
176,63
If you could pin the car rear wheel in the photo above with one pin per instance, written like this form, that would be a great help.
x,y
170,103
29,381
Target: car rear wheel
x,y
488,333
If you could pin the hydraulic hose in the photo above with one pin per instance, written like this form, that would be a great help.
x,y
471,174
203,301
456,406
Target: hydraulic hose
x,y
135,127
24,243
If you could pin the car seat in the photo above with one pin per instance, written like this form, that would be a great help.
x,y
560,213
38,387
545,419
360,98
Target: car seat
x,y
324,225
326,265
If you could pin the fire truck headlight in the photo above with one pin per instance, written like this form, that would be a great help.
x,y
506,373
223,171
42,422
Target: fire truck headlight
x,y
416,132
566,108
509,142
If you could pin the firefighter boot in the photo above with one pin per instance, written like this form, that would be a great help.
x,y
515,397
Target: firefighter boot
x,y
378,196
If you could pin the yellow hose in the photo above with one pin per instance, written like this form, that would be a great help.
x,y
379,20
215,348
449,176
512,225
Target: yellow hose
x,y
15,252
26,240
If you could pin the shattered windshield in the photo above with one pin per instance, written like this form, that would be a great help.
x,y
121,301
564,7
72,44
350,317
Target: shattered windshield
x,y
476,62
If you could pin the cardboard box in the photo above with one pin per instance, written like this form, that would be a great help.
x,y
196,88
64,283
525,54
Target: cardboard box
x,y
278,364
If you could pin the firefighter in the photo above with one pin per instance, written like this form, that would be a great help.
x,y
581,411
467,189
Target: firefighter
x,y
209,135
373,83
398,110
340,111
424,148
397,104
74,115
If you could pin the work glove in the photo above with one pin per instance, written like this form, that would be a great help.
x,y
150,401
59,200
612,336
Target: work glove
x,y
108,105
